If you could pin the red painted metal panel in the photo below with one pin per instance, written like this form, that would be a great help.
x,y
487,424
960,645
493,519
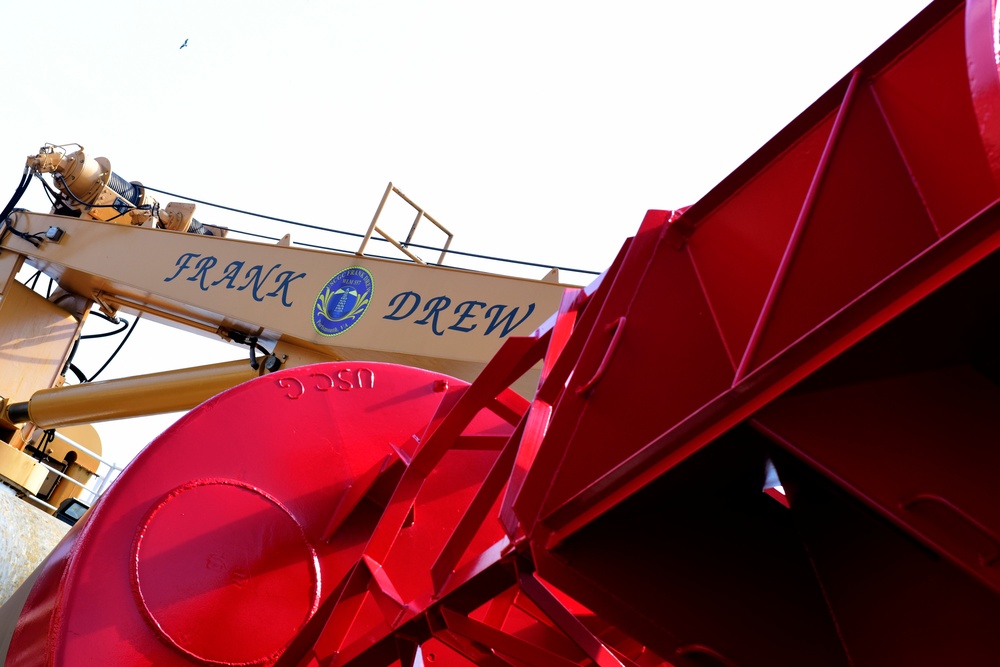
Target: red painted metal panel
x,y
921,93
702,558
861,221
865,221
907,421
522,502
738,249
669,361
210,547
893,601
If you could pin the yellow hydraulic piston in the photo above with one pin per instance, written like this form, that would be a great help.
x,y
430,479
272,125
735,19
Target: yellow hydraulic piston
x,y
156,393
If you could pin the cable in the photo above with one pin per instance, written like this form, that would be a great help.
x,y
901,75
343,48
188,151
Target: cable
x,y
233,209
144,207
117,349
123,327
242,339
50,435
69,362
51,192
500,259
254,364
34,239
357,235
304,225
455,252
70,366
251,213
8,227
254,346
59,206
97,313
18,193
77,372
353,234
252,342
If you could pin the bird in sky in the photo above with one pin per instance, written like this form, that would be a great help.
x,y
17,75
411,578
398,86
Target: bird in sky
x,y
184,44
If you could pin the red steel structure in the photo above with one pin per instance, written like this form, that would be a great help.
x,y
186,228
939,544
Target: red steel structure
x,y
767,436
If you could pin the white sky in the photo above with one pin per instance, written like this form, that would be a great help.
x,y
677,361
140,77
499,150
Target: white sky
x,y
538,130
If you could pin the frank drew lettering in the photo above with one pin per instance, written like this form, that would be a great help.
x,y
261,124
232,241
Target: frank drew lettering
x,y
265,282
203,272
437,312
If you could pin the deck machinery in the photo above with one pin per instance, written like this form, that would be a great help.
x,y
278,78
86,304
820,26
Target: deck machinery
x,y
767,436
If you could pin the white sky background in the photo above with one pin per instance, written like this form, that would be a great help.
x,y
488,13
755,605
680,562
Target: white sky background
x,y
540,131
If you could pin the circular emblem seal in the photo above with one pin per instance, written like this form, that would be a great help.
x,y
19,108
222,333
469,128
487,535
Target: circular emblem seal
x,y
343,301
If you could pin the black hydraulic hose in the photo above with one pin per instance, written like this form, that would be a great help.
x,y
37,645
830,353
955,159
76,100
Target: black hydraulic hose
x,y
77,372
18,193
252,342
70,366
9,208
117,349
97,313
69,362
123,327
254,346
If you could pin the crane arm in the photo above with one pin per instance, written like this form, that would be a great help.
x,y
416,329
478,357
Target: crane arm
x,y
109,243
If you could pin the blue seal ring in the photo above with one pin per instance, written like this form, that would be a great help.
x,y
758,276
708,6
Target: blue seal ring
x,y
343,301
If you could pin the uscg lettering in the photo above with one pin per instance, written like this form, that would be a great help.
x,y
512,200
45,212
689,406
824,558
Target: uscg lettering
x,y
262,282
465,317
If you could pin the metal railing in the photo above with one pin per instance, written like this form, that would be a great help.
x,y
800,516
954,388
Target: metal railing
x,y
113,469
402,247
374,232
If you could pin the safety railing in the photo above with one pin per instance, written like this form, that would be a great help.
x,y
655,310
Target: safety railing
x,y
103,477
403,246
319,237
